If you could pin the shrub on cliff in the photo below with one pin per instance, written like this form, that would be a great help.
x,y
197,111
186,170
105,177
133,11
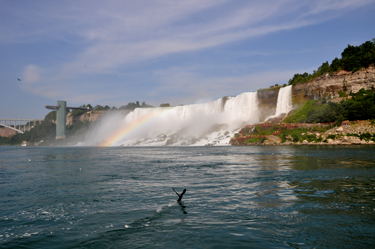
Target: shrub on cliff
x,y
352,59
50,117
360,107
76,112
131,106
45,131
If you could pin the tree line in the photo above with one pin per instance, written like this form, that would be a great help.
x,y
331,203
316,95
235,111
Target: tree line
x,y
353,58
130,107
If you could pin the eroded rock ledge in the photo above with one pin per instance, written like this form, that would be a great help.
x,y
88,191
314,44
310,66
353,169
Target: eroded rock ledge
x,y
329,85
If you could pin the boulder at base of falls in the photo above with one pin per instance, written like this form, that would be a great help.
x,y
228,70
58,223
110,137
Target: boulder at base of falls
x,y
340,129
272,139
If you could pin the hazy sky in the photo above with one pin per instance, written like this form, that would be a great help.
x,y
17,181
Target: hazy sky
x,y
159,51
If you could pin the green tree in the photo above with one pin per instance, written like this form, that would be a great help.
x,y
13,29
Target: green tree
x,y
336,65
132,106
299,78
50,117
76,112
99,107
324,68
353,58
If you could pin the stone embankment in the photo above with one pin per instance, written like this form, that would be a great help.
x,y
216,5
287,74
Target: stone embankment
x,y
357,133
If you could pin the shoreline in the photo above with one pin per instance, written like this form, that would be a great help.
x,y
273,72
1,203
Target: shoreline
x,y
353,133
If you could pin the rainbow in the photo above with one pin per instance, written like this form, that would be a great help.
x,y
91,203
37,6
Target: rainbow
x,y
124,131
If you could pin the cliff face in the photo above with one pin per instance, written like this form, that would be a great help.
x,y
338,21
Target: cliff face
x,y
6,132
88,116
324,86
327,85
267,100
91,116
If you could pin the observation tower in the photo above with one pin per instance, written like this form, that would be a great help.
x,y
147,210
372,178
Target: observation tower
x,y
61,117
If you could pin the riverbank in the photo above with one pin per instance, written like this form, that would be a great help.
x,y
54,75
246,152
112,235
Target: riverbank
x,y
350,133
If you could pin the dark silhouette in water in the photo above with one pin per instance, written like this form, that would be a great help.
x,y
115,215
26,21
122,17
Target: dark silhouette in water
x,y
179,200
179,196
182,208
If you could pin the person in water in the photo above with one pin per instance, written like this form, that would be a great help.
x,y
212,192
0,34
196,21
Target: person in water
x,y
179,196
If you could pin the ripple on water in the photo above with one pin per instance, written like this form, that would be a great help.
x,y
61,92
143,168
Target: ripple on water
x,y
267,197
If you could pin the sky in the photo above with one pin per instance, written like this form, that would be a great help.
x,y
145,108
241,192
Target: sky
x,y
165,51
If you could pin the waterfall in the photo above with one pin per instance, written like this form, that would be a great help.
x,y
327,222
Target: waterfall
x,y
242,108
212,123
284,101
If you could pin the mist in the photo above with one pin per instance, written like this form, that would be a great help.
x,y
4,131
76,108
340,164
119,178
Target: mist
x,y
212,123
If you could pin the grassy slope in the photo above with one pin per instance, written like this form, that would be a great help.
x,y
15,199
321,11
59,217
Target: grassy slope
x,y
301,113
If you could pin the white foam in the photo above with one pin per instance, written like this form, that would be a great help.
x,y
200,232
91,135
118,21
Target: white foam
x,y
171,204
212,123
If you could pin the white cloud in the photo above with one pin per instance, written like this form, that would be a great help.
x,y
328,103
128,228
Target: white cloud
x,y
110,37
148,32
317,7
32,74
185,85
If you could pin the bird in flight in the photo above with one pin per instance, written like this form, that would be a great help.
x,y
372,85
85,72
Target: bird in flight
x,y
179,195
18,79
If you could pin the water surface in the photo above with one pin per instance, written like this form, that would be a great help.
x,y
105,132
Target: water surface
x,y
237,197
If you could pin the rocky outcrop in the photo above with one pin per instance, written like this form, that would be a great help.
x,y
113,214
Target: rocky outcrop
x,y
355,127
6,132
91,116
86,117
329,85
272,140
353,133
344,135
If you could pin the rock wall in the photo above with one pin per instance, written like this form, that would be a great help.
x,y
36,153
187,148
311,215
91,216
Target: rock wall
x,y
327,86
6,132
330,85
267,101
90,116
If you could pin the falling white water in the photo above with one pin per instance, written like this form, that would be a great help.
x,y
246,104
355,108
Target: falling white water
x,y
242,108
212,123
284,101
